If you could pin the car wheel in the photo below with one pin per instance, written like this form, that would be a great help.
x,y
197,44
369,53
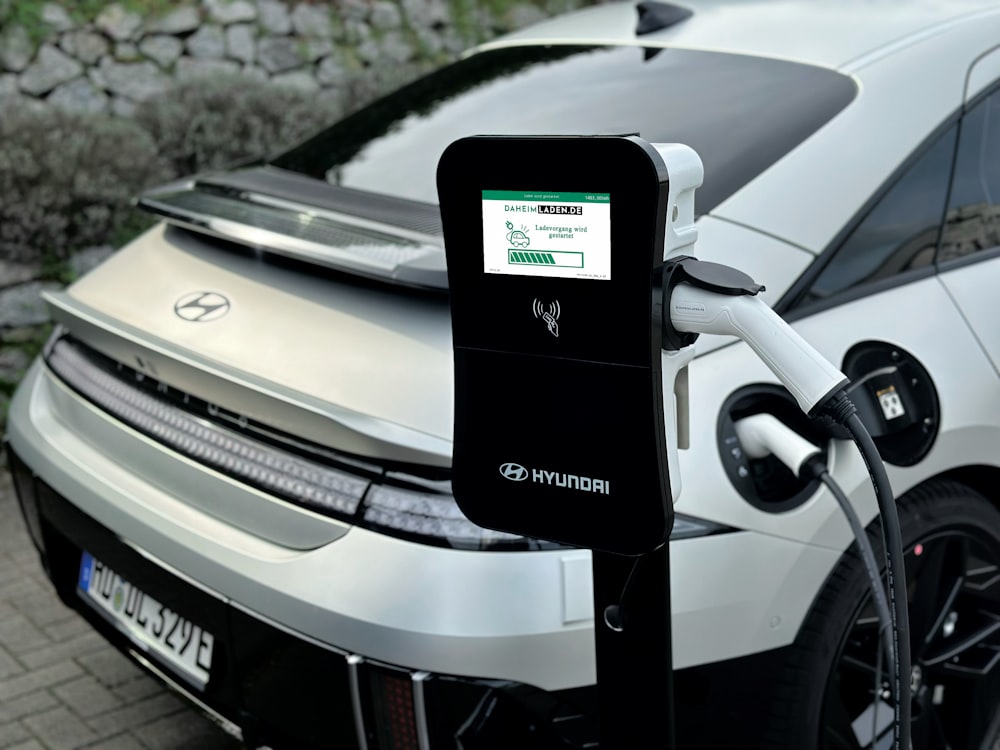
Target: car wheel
x,y
827,698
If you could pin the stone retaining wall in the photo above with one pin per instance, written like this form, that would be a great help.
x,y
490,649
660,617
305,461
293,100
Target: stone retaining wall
x,y
348,49
121,57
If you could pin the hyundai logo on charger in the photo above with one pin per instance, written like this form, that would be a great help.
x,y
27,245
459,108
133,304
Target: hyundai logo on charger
x,y
513,472
517,473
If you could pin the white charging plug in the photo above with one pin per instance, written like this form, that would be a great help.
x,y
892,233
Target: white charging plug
x,y
809,377
764,434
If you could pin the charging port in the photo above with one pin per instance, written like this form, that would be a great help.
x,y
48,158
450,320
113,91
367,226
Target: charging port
x,y
765,483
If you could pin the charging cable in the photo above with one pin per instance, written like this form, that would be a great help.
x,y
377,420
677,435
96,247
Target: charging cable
x,y
842,411
763,434
703,297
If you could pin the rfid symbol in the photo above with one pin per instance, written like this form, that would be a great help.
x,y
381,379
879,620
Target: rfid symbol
x,y
549,313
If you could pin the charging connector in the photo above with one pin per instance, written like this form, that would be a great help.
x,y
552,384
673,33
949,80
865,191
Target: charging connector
x,y
761,435
701,297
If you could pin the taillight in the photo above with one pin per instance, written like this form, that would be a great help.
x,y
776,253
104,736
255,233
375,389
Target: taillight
x,y
393,710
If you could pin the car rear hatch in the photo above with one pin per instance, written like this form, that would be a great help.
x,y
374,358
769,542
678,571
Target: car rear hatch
x,y
324,390
361,367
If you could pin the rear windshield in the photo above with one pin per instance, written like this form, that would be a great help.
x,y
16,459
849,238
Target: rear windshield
x,y
740,113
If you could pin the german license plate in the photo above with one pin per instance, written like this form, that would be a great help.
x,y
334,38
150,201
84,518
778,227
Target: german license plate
x,y
154,627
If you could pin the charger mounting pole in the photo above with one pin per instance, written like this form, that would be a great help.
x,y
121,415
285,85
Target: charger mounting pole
x,y
634,659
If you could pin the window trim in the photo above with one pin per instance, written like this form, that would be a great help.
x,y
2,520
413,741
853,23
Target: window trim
x,y
967,107
968,260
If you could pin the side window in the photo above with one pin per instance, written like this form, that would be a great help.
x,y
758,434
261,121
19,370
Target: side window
x,y
900,233
973,219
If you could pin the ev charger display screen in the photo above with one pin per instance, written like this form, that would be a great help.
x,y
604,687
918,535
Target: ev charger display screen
x,y
559,428
549,234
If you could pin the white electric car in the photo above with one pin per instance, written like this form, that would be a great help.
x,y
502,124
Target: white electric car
x,y
233,455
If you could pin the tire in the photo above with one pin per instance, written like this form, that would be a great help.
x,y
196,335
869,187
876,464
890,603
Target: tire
x,y
951,540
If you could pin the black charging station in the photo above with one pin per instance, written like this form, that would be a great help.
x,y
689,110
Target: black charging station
x,y
567,333
555,248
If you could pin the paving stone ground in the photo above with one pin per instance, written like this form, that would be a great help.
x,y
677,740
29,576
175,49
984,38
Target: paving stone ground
x,y
61,686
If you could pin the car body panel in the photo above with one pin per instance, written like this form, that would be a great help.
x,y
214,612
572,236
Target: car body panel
x,y
392,401
942,342
831,33
248,510
974,290
806,198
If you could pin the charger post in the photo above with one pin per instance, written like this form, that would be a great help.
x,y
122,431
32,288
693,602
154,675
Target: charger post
x,y
566,408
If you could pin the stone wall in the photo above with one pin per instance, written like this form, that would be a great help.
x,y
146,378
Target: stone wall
x,y
119,58
347,49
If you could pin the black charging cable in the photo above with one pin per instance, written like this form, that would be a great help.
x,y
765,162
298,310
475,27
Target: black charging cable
x,y
814,468
614,614
840,408
763,434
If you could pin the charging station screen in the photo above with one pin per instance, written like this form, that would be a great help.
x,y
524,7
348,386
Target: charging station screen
x,y
564,235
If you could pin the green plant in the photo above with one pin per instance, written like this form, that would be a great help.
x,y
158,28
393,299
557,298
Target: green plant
x,y
27,15
220,121
134,222
462,14
67,179
85,11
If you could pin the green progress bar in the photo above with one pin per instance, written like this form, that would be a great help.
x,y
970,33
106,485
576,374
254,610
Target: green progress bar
x,y
557,258
530,259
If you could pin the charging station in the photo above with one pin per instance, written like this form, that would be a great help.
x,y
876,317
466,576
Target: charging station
x,y
555,251
574,310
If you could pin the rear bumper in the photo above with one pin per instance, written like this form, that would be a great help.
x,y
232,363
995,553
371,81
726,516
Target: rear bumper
x,y
480,614
274,687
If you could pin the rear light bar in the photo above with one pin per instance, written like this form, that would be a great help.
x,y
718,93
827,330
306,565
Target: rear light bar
x,y
390,502
250,461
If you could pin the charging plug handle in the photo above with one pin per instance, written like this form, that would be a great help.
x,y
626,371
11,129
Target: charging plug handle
x,y
702,297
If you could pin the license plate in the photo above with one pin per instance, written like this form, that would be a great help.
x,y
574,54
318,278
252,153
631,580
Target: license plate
x,y
151,625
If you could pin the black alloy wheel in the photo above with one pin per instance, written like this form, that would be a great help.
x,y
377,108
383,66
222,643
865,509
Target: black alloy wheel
x,y
951,537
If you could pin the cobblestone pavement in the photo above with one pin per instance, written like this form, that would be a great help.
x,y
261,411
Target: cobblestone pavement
x,y
61,686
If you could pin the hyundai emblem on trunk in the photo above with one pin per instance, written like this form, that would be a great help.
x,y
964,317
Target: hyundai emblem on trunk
x,y
201,307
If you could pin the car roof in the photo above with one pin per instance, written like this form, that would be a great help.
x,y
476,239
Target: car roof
x,y
840,34
911,60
